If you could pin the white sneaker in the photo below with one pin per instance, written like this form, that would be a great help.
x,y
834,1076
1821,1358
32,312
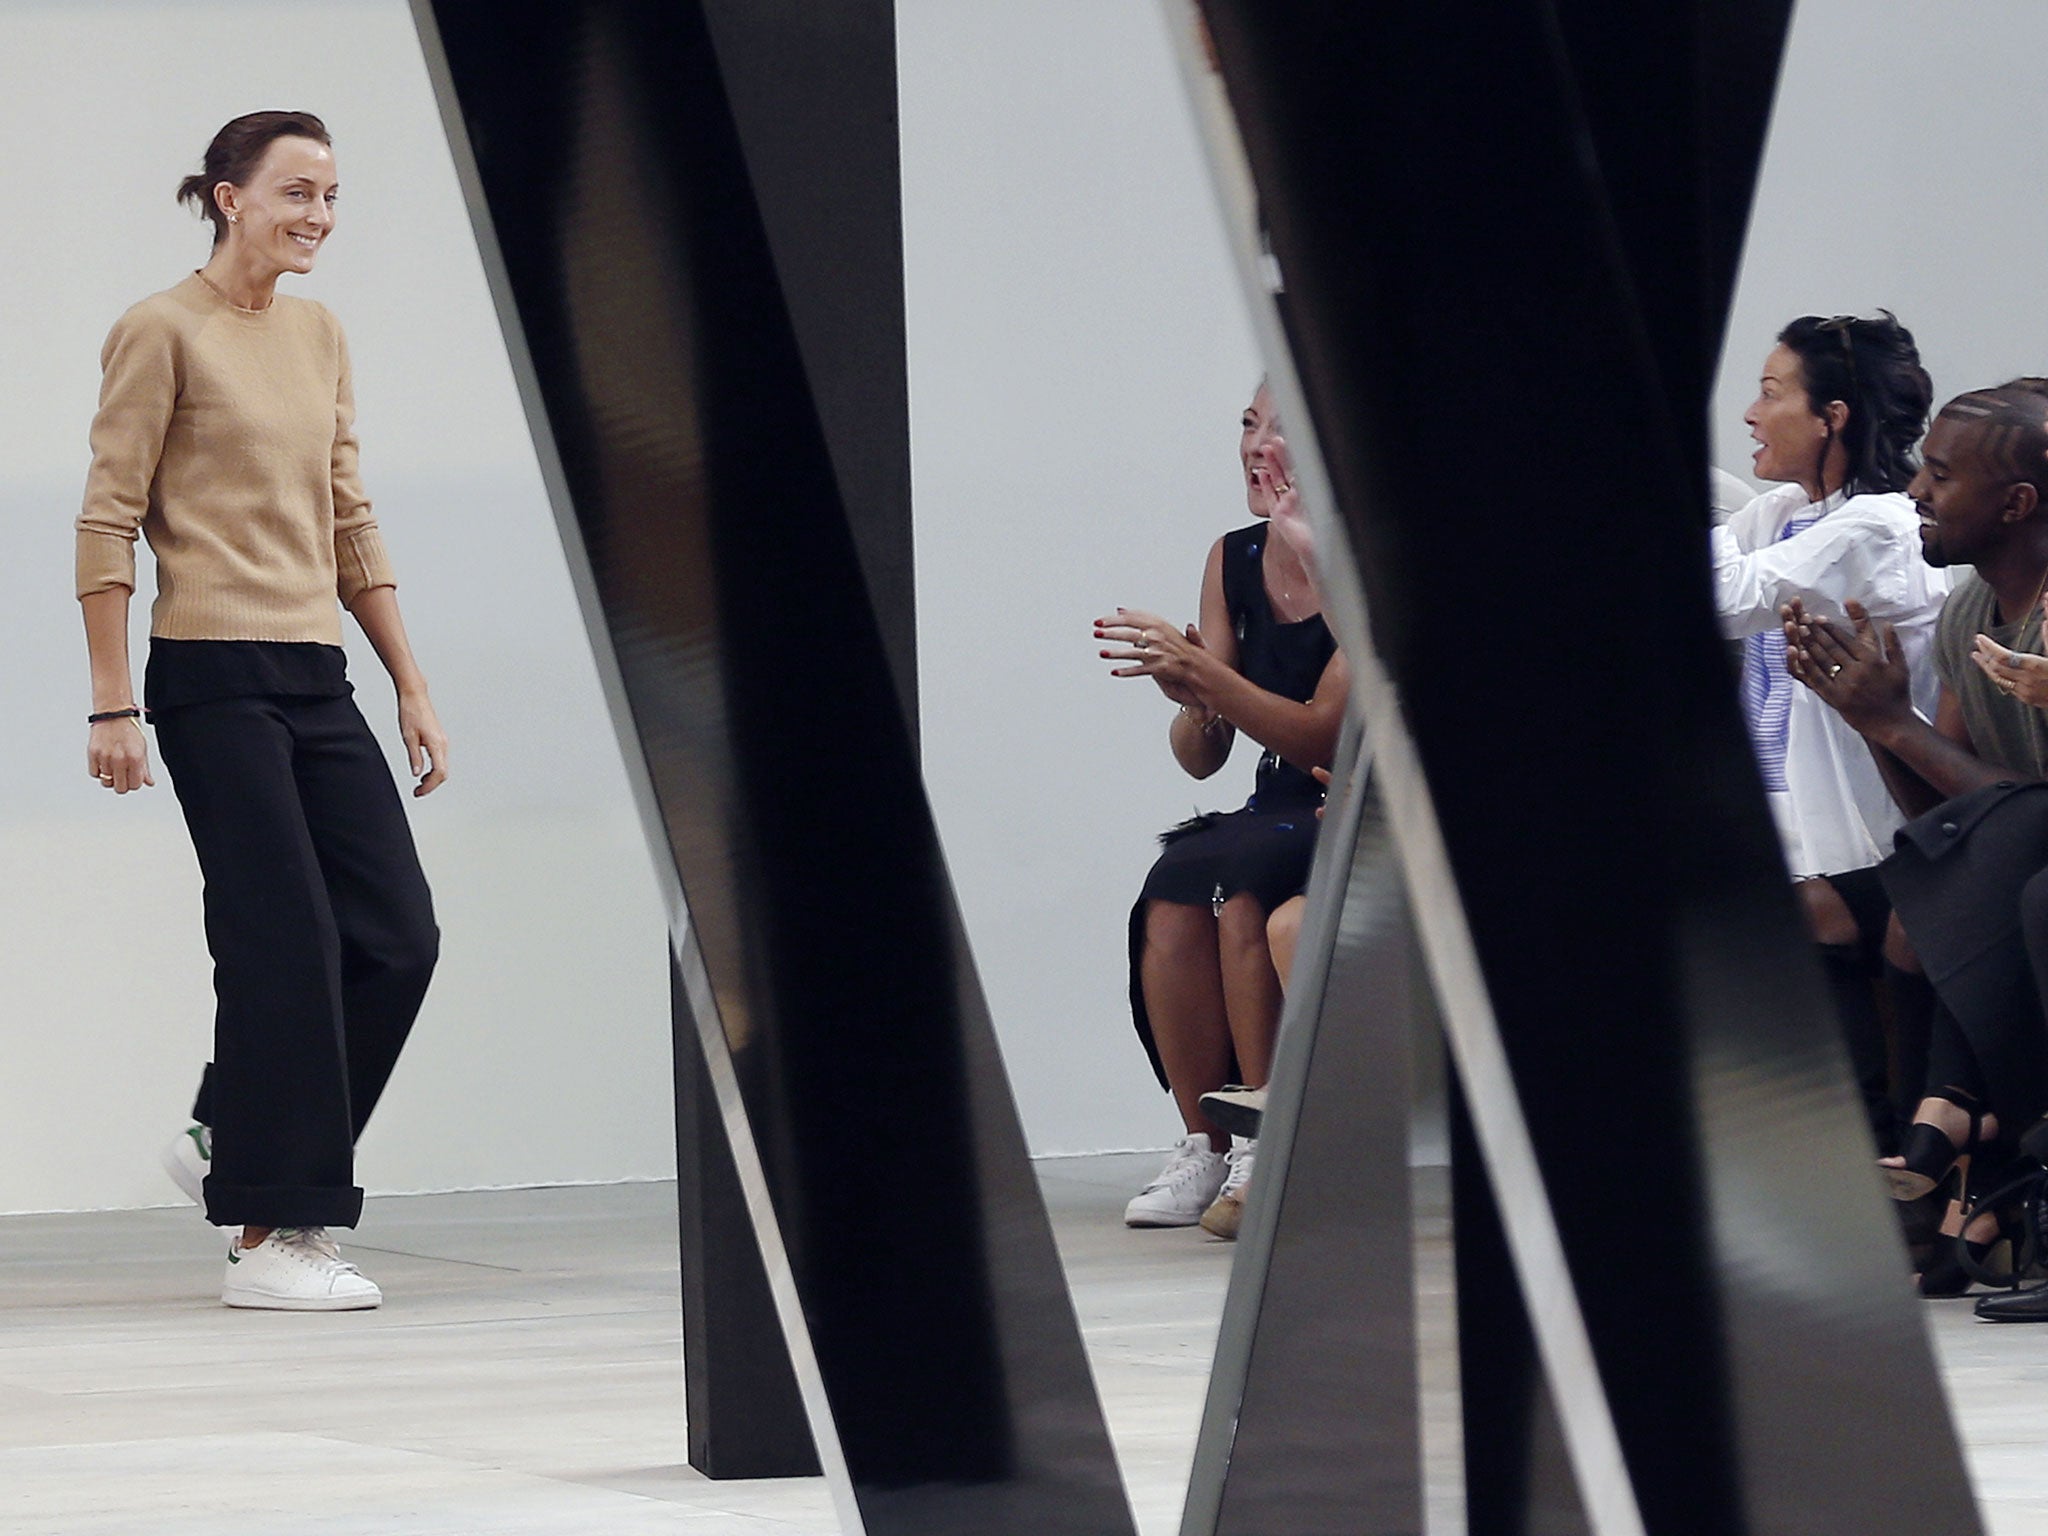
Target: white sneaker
x,y
187,1160
1183,1189
296,1269
1223,1218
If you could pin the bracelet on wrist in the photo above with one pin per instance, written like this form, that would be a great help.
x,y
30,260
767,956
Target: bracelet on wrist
x,y
1208,722
130,713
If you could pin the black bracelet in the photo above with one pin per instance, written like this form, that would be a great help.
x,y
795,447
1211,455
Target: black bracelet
x,y
130,713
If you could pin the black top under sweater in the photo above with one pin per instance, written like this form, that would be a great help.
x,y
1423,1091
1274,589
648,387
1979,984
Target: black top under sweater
x,y
182,672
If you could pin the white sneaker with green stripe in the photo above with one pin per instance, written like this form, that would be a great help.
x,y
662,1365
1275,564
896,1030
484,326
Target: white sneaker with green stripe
x,y
187,1160
296,1269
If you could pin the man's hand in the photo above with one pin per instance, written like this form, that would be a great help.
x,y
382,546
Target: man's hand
x,y
1859,673
2017,673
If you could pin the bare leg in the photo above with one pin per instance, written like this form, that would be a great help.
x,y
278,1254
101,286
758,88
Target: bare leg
x,y
1828,918
1251,987
1898,949
1283,932
1184,997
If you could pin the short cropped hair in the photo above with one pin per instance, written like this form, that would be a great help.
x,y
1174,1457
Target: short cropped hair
x,y
2014,419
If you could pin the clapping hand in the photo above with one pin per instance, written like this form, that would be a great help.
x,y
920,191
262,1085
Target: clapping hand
x,y
1860,673
1289,516
1153,647
2018,674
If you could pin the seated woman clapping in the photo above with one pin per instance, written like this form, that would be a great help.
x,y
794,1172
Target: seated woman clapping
x,y
1204,995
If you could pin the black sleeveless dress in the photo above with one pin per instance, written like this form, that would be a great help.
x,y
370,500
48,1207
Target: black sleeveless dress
x,y
1263,848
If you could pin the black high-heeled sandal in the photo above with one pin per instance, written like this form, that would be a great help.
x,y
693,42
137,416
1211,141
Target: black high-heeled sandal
x,y
1920,1220
1962,1261
1959,1262
1930,1156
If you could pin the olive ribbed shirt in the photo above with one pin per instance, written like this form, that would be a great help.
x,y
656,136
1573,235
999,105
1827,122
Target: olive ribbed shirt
x,y
226,437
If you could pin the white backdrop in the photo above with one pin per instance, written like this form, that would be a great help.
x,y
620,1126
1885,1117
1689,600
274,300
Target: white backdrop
x,y
542,1051
1903,171
1078,361
1078,355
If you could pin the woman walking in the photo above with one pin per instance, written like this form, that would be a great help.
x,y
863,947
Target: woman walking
x,y
225,437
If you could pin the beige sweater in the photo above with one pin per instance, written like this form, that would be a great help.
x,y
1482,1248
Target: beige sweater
x,y
227,438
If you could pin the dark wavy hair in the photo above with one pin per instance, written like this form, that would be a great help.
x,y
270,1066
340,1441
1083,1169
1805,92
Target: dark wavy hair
x,y
235,153
1873,368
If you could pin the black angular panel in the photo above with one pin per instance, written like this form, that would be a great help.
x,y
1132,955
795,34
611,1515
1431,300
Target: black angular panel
x,y
1518,1477
683,441
1506,285
812,88
741,1396
1313,1421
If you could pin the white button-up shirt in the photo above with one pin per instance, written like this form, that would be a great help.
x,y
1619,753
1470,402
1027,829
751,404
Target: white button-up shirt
x,y
1834,813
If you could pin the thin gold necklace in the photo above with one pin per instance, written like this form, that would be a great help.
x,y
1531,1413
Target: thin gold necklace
x,y
231,304
2034,603
1284,599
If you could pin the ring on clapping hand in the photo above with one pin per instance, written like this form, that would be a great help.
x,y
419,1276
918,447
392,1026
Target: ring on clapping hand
x,y
1833,670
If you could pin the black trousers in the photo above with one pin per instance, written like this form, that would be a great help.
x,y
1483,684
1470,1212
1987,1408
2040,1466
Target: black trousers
x,y
1969,886
323,940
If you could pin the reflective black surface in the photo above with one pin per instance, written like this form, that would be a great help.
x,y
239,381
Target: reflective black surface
x,y
1508,237
812,88
1313,1421
740,1393
812,94
1518,1476
679,427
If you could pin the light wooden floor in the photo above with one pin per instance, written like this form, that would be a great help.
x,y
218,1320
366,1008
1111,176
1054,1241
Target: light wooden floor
x,y
523,1377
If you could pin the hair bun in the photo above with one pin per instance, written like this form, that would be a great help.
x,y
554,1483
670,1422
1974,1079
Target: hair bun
x,y
235,153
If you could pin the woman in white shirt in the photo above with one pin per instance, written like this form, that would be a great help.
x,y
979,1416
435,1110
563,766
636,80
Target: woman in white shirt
x,y
1839,408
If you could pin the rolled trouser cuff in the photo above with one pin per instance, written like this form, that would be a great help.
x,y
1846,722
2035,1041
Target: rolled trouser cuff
x,y
281,1205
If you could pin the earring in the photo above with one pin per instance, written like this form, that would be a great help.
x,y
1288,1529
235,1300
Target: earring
x,y
234,218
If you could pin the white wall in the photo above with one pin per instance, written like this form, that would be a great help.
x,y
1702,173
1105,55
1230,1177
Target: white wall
x,y
1903,171
1079,354
542,1054
1078,360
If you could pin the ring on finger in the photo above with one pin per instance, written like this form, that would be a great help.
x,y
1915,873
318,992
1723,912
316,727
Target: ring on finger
x,y
1833,670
